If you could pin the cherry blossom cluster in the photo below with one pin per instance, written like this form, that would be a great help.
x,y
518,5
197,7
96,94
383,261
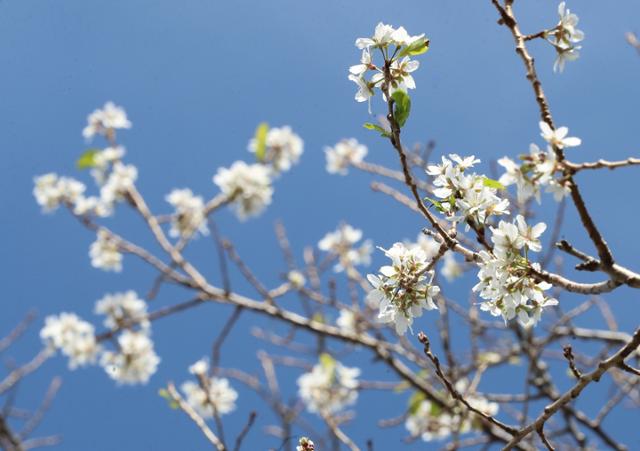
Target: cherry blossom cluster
x,y
345,153
248,185
396,47
209,396
428,421
105,253
506,281
564,38
329,387
539,169
403,289
451,269
305,444
464,195
133,359
282,148
341,245
105,121
189,216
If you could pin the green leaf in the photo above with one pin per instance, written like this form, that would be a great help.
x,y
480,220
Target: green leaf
x,y
402,107
416,48
436,204
261,141
415,401
87,159
492,183
435,410
329,364
165,394
317,317
370,126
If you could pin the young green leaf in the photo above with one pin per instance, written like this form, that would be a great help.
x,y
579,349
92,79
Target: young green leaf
x,y
370,126
402,108
261,140
436,204
492,183
415,401
417,47
165,394
87,159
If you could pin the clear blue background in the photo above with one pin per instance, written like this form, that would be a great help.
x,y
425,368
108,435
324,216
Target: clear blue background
x,y
196,77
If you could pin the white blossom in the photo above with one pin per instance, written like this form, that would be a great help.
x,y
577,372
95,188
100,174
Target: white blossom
x,y
465,195
536,171
403,289
120,180
283,148
105,253
101,121
74,337
189,216
209,396
563,55
329,387
50,191
429,422
347,321
343,154
296,279
249,186
382,36
103,160
451,269
506,281
341,244
123,309
305,444
567,32
134,362
558,137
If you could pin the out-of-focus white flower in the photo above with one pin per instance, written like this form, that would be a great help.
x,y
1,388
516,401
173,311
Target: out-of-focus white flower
x,y
74,337
199,368
102,121
341,244
451,269
343,154
296,279
428,421
103,160
347,321
216,397
283,148
121,178
134,362
105,253
248,185
403,289
123,309
429,246
304,444
558,137
567,33
564,55
329,387
189,216
50,190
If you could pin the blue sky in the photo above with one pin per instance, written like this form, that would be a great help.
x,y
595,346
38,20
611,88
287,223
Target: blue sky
x,y
196,77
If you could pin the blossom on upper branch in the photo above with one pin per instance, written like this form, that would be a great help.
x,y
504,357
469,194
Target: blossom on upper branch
x,y
343,154
209,396
135,360
283,148
403,289
74,337
565,36
105,253
558,137
50,191
506,281
465,195
189,216
102,121
396,47
123,309
341,244
329,387
248,186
